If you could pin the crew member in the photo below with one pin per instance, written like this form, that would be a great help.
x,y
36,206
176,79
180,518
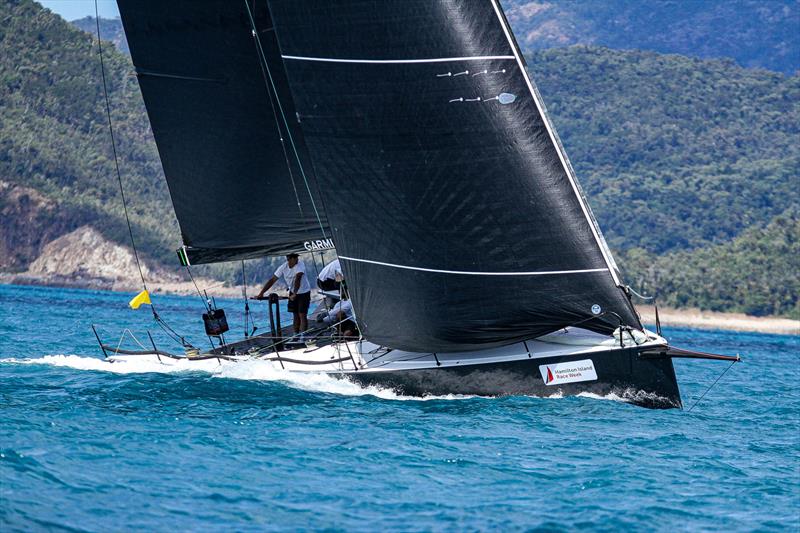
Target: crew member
x,y
342,316
330,277
293,272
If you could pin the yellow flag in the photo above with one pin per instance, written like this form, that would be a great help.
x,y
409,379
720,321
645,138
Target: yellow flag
x,y
141,298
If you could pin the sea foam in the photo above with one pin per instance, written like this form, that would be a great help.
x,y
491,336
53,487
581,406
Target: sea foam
x,y
259,370
262,370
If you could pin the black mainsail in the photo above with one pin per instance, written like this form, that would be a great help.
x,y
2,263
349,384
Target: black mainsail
x,y
210,84
456,214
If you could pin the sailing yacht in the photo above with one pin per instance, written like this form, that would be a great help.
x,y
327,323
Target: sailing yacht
x,y
409,138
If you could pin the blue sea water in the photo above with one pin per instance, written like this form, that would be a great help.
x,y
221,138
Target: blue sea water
x,y
90,446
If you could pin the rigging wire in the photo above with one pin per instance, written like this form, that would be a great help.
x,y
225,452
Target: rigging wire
x,y
114,148
270,82
199,293
277,123
246,304
711,386
316,276
161,323
265,68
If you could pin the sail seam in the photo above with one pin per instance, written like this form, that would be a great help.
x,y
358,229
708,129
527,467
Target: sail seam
x,y
396,61
470,273
561,155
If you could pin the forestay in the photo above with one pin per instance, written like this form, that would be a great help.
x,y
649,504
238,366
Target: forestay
x,y
455,212
238,191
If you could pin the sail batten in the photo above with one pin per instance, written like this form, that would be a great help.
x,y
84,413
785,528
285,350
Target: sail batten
x,y
396,61
472,273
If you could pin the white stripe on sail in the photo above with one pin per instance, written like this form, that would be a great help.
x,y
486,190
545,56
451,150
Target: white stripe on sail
x,y
395,61
469,273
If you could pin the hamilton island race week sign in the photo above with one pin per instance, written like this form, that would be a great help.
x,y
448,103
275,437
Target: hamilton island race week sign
x,y
570,372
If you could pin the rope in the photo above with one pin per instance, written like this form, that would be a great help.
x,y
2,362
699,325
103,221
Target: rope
x,y
309,334
199,293
163,325
114,147
639,295
712,385
244,282
264,75
171,333
265,68
122,338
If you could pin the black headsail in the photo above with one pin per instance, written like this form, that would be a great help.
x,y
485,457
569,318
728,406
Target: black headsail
x,y
238,191
455,212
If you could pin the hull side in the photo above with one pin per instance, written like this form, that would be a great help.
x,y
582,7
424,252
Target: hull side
x,y
647,382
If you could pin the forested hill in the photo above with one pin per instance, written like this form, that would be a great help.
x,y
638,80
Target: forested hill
x,y
755,33
755,273
684,160
674,152
54,137
110,30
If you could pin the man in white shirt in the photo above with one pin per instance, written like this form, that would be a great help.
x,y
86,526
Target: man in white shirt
x,y
330,277
293,272
341,314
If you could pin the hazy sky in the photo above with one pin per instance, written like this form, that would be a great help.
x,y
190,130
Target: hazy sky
x,y
75,9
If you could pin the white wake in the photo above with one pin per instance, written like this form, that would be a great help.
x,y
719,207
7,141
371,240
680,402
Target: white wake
x,y
246,370
259,370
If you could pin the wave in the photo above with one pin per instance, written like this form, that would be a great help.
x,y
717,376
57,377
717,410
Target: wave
x,y
258,370
629,395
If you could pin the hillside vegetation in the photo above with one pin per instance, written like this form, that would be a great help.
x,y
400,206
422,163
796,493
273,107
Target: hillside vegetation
x,y
674,152
755,33
755,273
685,161
54,133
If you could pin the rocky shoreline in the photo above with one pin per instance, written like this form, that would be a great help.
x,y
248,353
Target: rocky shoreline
x,y
699,319
690,318
84,259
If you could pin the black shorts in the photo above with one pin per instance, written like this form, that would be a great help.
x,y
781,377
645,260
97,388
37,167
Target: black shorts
x,y
328,285
300,303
